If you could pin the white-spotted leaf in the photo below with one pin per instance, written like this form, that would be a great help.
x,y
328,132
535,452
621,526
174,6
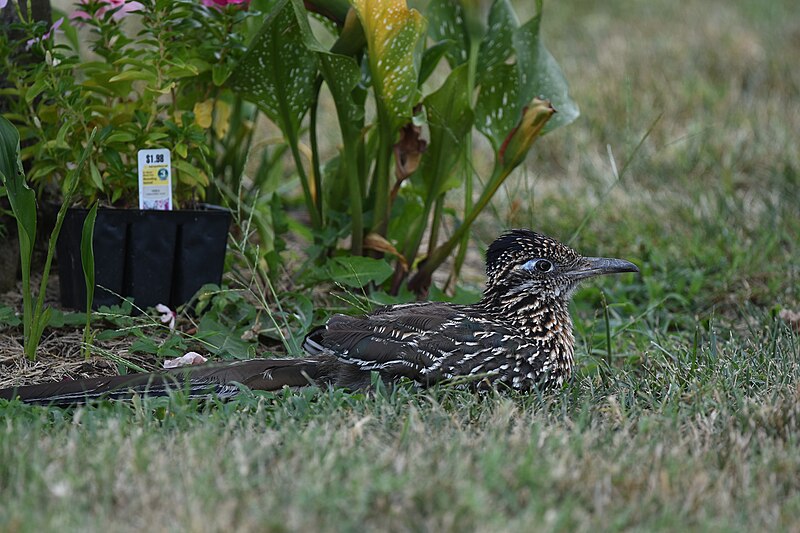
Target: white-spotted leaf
x,y
514,68
446,23
498,108
540,75
278,71
394,40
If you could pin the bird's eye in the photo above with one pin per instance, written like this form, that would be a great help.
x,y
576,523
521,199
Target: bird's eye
x,y
538,265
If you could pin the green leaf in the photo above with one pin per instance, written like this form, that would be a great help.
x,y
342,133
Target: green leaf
x,y
130,75
497,110
10,165
182,150
508,88
42,170
23,205
8,317
278,73
110,334
394,43
447,23
278,70
342,75
219,74
97,179
188,173
41,314
87,261
71,181
61,136
450,119
37,328
35,89
431,57
357,271
497,45
120,137
59,319
540,75
87,255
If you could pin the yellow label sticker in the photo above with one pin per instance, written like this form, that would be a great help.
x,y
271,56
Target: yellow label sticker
x,y
155,179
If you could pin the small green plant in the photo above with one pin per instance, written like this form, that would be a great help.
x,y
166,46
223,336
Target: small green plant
x,y
23,206
387,187
87,261
151,82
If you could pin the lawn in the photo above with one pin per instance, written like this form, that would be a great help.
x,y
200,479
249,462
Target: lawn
x,y
685,410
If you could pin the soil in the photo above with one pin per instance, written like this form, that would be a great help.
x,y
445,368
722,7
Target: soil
x,y
59,356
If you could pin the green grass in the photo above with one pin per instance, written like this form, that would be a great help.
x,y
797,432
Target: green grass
x,y
687,419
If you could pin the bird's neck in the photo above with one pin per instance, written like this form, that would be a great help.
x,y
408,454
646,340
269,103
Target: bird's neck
x,y
542,318
535,313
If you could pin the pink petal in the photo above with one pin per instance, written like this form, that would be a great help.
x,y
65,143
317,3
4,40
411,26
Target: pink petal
x,y
53,29
80,15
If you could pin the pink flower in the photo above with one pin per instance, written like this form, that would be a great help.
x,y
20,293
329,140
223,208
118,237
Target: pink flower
x,y
222,3
52,31
167,315
123,7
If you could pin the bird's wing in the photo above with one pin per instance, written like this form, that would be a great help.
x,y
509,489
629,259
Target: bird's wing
x,y
425,342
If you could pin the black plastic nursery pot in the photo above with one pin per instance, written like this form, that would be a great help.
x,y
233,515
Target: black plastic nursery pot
x,y
153,257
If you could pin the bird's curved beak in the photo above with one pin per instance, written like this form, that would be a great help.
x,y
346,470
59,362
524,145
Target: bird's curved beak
x,y
598,266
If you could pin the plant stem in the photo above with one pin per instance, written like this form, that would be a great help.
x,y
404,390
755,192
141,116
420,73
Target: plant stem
x,y
380,177
315,164
462,248
422,278
436,223
472,68
350,167
40,315
298,162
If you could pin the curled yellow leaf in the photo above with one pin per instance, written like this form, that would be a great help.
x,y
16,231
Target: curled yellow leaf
x,y
202,113
519,141
222,116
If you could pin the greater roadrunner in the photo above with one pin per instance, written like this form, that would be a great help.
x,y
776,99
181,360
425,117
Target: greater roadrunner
x,y
518,335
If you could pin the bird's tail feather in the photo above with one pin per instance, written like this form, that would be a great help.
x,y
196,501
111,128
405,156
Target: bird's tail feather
x,y
195,381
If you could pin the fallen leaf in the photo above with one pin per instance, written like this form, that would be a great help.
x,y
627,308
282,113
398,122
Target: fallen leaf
x,y
375,241
190,358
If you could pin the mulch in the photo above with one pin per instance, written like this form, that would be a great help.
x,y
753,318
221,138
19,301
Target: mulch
x,y
59,356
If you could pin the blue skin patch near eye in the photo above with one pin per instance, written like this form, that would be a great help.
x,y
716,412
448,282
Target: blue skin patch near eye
x,y
538,265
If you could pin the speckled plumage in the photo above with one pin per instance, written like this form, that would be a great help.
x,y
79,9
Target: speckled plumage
x,y
519,335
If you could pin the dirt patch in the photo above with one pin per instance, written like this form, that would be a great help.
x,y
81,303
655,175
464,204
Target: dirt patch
x,y
59,356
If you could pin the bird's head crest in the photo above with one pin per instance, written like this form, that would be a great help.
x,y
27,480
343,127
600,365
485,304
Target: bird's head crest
x,y
517,246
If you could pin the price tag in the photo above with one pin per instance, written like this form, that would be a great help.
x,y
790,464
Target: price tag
x,y
155,179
